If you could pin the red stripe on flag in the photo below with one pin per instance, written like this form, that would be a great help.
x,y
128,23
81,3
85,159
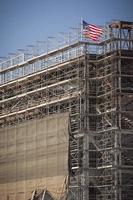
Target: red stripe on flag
x,y
95,28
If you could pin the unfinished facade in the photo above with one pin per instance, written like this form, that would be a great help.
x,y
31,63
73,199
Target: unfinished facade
x,y
66,120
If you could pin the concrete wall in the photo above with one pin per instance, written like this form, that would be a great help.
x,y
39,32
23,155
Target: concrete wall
x,y
34,155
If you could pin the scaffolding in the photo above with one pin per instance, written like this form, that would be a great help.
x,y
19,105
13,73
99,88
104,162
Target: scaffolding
x,y
93,83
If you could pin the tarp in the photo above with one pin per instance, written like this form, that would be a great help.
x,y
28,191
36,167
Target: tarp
x,y
34,155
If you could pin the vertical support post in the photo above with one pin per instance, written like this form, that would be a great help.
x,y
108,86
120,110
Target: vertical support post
x,y
86,131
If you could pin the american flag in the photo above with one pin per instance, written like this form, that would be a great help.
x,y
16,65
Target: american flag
x,y
91,31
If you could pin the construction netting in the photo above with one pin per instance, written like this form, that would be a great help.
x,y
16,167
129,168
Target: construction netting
x,y
34,155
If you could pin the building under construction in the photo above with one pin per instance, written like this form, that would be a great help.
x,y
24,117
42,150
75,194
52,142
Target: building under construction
x,y
66,120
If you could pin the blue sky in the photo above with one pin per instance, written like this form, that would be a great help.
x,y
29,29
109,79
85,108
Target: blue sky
x,y
23,22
